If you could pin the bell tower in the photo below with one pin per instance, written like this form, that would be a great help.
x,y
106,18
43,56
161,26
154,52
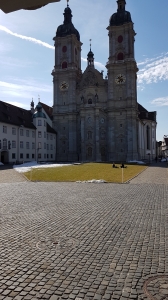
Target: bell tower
x,y
122,87
66,73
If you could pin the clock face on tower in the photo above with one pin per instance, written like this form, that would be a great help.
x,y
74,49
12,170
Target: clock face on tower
x,y
120,78
64,86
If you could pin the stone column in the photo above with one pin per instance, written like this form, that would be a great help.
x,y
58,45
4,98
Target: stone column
x,y
97,137
72,155
83,150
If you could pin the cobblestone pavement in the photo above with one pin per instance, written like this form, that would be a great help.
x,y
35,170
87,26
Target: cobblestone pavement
x,y
156,173
10,175
83,241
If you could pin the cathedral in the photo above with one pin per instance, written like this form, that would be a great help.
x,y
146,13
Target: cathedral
x,y
97,118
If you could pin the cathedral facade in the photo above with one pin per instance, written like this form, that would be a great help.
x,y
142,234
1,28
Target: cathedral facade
x,y
97,118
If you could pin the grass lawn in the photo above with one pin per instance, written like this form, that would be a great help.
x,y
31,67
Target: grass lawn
x,y
86,171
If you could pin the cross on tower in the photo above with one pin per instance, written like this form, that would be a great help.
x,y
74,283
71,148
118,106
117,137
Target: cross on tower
x,y
90,43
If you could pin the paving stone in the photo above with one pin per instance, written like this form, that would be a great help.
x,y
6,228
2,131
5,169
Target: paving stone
x,y
112,236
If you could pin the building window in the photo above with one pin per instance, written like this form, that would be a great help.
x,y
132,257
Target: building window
x,y
27,133
44,123
90,101
120,56
103,151
33,134
47,136
120,39
5,144
39,145
44,134
45,155
47,147
33,145
121,125
27,145
39,123
9,144
27,155
51,137
4,129
89,135
33,155
13,144
13,155
51,147
51,156
39,134
64,49
13,131
90,152
39,155
21,155
21,144
64,65
21,132
44,145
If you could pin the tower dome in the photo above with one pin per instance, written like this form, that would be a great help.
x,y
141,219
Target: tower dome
x,y
67,28
121,16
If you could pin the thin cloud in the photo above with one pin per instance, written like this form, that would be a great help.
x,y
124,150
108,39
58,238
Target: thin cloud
x,y
19,104
26,91
98,64
162,101
155,71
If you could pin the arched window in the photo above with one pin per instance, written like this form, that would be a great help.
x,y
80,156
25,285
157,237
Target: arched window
x,y
64,65
90,101
89,135
90,152
103,151
120,56
64,49
120,39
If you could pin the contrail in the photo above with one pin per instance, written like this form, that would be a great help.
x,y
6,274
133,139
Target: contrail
x,y
35,41
23,37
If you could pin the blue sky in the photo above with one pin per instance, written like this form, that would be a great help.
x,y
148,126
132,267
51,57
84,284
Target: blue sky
x,y
27,52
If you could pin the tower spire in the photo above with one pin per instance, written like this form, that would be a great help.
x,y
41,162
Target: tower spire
x,y
90,44
67,3
90,57
121,5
